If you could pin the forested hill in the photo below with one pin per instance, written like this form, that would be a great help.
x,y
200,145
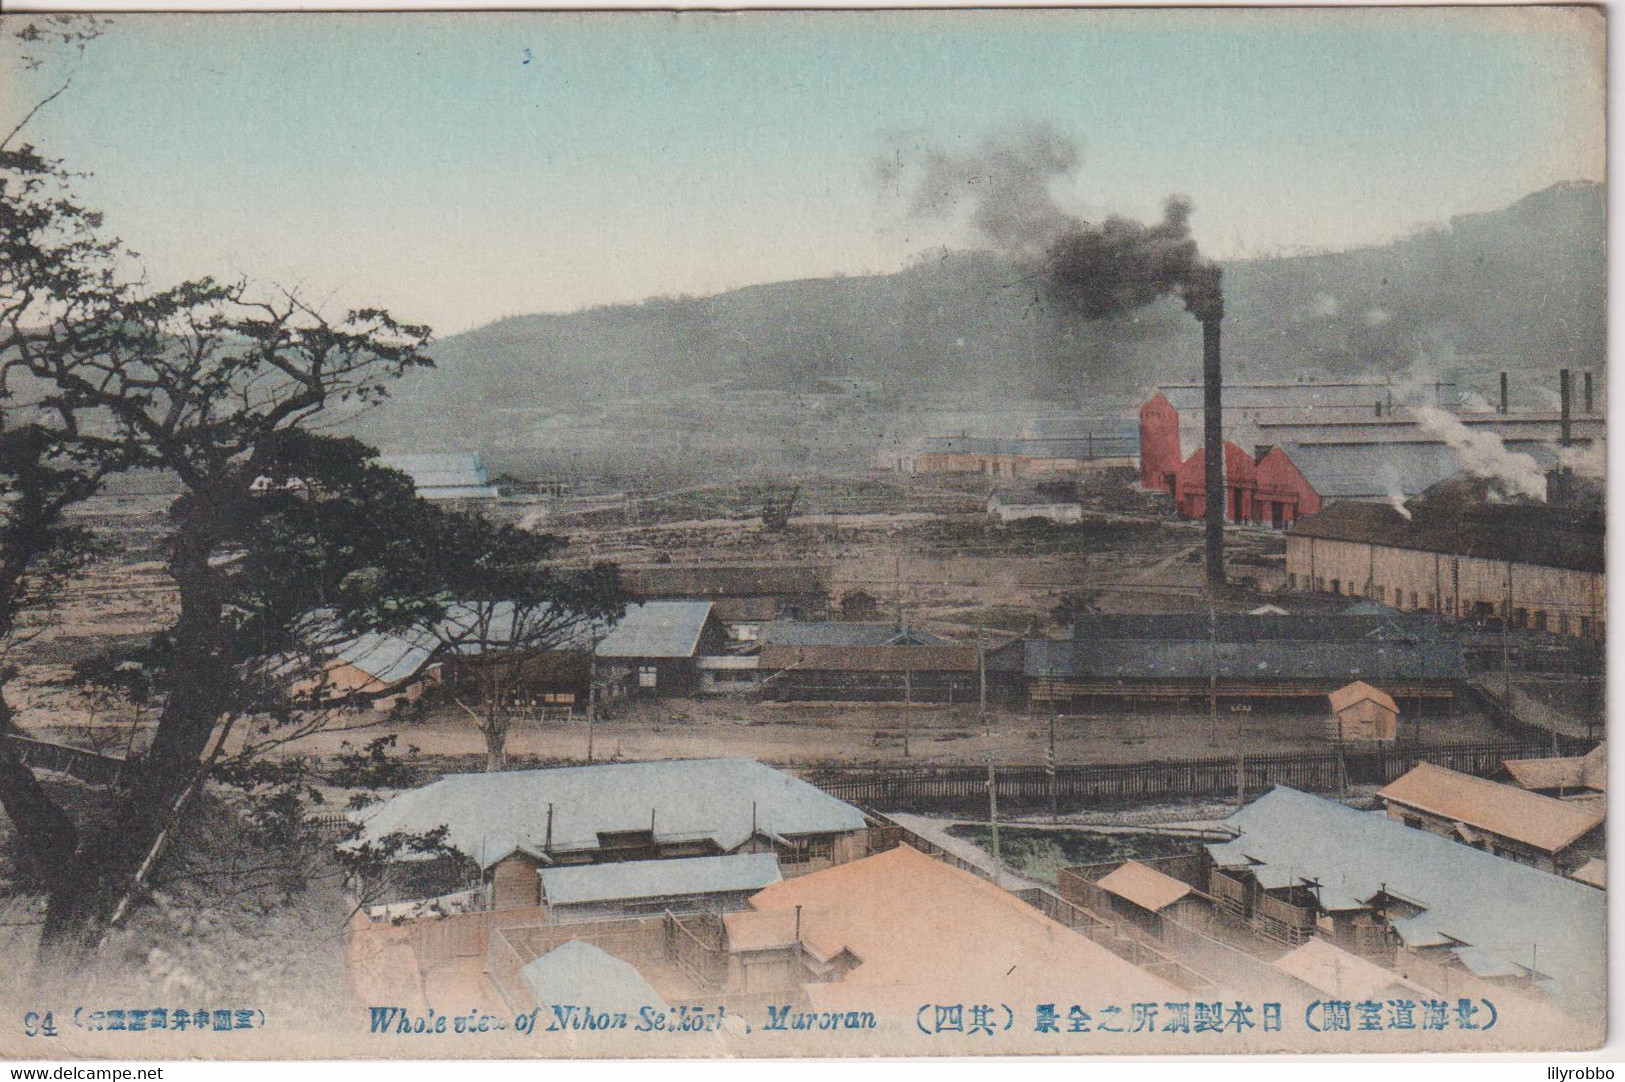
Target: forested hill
x,y
1521,287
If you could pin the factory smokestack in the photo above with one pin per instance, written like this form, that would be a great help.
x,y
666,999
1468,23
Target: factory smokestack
x,y
1106,270
1213,435
1503,408
1588,391
1564,395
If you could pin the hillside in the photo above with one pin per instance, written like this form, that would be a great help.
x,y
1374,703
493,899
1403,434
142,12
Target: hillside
x,y
794,373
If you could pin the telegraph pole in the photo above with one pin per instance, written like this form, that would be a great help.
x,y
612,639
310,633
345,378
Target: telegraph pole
x,y
1212,676
592,693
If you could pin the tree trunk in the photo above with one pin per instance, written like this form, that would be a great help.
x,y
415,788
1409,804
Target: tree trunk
x,y
50,847
496,756
200,677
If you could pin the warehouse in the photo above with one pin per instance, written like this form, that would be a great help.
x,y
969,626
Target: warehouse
x,y
1246,656
444,477
1454,551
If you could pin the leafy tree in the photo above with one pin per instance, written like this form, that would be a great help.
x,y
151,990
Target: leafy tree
x,y
500,609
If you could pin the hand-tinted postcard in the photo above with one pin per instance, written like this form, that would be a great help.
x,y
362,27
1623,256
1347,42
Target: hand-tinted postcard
x,y
802,533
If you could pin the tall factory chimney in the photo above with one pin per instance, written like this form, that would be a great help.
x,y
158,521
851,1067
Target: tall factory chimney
x,y
1211,315
1563,397
1588,390
1503,408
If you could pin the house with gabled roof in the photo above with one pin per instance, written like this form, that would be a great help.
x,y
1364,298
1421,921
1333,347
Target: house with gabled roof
x,y
513,824
1553,835
1437,912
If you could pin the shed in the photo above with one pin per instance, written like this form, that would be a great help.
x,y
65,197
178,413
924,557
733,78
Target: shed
x,y
1361,712
1143,895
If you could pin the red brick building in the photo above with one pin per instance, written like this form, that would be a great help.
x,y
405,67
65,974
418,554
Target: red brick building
x,y
1267,491
1159,444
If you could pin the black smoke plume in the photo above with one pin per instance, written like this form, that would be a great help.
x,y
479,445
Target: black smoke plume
x,y
1090,271
1099,271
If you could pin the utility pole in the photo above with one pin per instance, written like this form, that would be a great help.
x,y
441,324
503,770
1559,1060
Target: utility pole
x,y
981,680
1506,649
592,693
908,706
1212,676
1050,769
993,814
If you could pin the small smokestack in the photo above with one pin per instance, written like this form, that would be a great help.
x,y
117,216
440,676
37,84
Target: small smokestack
x,y
1564,395
1503,392
1588,391
1211,314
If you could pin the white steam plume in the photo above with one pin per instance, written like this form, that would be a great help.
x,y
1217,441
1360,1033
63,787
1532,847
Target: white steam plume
x,y
1482,454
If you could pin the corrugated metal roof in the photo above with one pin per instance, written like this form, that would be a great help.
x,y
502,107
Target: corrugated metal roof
x,y
466,628
489,816
823,633
657,629
632,879
1540,821
388,658
1262,660
1524,916
583,974
1357,623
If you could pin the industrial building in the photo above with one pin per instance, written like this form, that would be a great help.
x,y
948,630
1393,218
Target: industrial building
x,y
1172,656
444,477
1015,456
1353,439
1456,552
1265,488
632,888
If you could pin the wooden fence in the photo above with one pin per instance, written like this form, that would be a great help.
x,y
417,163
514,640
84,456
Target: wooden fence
x,y
1029,788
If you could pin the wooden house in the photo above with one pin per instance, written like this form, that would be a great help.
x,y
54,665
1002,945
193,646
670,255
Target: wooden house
x,y
513,823
1550,834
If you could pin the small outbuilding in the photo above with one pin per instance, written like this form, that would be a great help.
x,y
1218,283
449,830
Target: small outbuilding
x,y
1362,713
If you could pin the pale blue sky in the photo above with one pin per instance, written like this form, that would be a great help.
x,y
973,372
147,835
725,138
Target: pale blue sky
x,y
416,161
